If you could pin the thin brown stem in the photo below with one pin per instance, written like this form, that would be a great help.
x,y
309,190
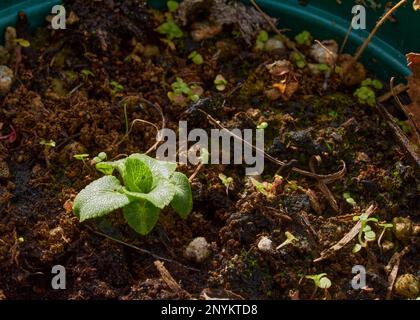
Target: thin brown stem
x,y
376,28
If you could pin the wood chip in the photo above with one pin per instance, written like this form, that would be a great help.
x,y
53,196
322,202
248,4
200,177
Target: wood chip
x,y
170,281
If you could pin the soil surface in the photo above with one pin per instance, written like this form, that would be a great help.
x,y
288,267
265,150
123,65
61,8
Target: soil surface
x,y
65,91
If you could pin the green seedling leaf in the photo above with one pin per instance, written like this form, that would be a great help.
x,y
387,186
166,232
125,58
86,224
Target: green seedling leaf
x,y
105,168
158,168
87,73
182,201
196,57
370,235
81,156
304,38
99,198
100,157
137,175
160,196
142,216
23,43
357,247
47,143
262,125
172,5
220,82
377,84
227,181
262,36
170,29
324,283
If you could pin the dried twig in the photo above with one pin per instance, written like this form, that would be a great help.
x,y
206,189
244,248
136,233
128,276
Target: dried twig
x,y
346,239
395,91
170,281
393,266
316,160
376,28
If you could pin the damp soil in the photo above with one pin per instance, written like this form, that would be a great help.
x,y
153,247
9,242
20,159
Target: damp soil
x,y
55,98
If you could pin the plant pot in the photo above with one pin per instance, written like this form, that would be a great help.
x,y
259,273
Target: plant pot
x,y
35,9
385,55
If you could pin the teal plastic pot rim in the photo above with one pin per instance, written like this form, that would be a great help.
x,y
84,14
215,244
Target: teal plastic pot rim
x,y
36,10
384,59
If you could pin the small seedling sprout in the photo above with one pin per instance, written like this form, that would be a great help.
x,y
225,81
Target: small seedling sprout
x,y
298,59
100,157
384,226
304,38
262,38
220,82
182,93
82,157
116,87
172,5
366,93
196,57
366,234
171,30
23,43
227,181
290,239
349,199
86,73
262,126
320,280
47,143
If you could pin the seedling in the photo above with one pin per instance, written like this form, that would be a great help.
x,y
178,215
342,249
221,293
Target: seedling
x,y
366,234
366,93
100,157
47,143
324,68
149,185
349,199
320,280
82,157
298,59
262,38
86,73
172,6
170,29
290,239
384,226
262,126
116,87
196,57
183,93
220,82
304,38
23,43
266,188
376,84
227,181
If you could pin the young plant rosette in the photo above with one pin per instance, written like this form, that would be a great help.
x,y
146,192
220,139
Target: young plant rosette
x,y
149,186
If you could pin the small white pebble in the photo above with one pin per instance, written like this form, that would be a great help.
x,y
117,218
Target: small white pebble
x,y
198,250
265,244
